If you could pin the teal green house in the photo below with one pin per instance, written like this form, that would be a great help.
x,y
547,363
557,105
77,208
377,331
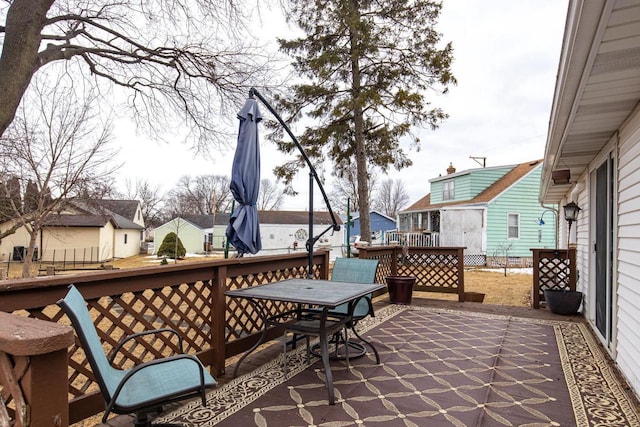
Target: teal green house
x,y
493,211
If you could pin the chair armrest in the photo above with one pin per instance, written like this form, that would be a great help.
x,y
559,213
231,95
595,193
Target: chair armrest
x,y
128,338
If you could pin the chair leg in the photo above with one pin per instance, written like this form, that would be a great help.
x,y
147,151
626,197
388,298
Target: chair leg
x,y
368,343
142,420
346,347
284,354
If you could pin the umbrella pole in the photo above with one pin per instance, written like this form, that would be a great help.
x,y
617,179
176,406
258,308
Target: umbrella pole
x,y
310,241
312,176
226,243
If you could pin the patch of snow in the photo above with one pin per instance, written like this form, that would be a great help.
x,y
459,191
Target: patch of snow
x,y
509,270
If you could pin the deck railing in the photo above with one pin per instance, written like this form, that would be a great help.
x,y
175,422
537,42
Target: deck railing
x,y
438,269
552,269
188,297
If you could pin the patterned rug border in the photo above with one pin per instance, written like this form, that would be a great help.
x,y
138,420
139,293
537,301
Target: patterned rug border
x,y
576,346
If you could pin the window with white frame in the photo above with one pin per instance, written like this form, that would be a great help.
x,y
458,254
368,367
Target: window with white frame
x,y
513,225
448,190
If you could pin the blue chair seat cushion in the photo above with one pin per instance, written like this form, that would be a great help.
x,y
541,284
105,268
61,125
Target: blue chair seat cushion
x,y
170,376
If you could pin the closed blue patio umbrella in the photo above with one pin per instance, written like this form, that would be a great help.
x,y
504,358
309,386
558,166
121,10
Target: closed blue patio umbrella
x,y
243,231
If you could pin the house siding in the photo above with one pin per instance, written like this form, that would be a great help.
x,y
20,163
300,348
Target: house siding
x,y
483,178
628,266
280,238
19,238
521,199
105,241
583,245
467,185
130,248
192,237
379,223
73,243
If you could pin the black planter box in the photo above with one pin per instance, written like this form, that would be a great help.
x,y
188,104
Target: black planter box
x,y
563,302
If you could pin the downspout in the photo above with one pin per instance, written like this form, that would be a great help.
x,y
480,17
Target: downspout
x,y
555,211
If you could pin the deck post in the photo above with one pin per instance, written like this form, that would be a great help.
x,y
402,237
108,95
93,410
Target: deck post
x,y
461,274
218,321
33,369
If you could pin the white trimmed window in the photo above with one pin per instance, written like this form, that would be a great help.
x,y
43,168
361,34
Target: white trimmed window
x,y
513,225
449,190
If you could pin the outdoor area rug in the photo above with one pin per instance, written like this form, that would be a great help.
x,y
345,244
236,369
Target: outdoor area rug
x,y
438,368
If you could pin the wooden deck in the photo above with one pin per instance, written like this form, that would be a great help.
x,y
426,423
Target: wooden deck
x,y
270,350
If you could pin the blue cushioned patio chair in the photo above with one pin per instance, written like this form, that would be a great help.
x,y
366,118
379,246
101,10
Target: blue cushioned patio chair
x,y
352,270
356,270
143,389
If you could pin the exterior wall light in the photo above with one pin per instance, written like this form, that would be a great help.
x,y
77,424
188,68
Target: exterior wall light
x,y
570,214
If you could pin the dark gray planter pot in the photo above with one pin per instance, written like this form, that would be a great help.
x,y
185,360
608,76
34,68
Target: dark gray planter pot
x,y
563,302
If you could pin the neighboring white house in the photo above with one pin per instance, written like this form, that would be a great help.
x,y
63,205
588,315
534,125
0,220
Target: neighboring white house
x,y
281,231
287,231
196,232
89,231
594,132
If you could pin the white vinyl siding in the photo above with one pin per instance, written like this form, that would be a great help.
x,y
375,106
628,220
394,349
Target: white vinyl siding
x,y
628,272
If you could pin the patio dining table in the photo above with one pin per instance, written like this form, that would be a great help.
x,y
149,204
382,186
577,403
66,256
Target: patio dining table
x,y
324,294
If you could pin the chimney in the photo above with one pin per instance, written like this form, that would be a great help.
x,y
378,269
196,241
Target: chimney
x,y
451,169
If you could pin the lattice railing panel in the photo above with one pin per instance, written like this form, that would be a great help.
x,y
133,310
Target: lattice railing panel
x,y
385,269
242,319
431,270
554,273
435,269
183,307
121,305
14,410
552,269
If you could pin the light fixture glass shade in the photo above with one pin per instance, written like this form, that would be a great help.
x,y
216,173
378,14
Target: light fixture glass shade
x,y
571,211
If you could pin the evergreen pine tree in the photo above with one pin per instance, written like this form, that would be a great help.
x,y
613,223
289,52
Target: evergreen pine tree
x,y
367,67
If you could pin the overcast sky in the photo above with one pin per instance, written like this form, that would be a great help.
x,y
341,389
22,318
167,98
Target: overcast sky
x,y
506,58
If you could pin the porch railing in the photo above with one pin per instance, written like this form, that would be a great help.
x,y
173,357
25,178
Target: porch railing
x,y
412,239
30,351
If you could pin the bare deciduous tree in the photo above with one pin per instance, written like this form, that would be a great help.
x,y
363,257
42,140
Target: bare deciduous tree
x,y
200,195
345,188
57,145
270,197
391,197
151,202
180,61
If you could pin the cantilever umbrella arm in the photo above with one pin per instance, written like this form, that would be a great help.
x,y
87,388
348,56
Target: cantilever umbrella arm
x,y
313,176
